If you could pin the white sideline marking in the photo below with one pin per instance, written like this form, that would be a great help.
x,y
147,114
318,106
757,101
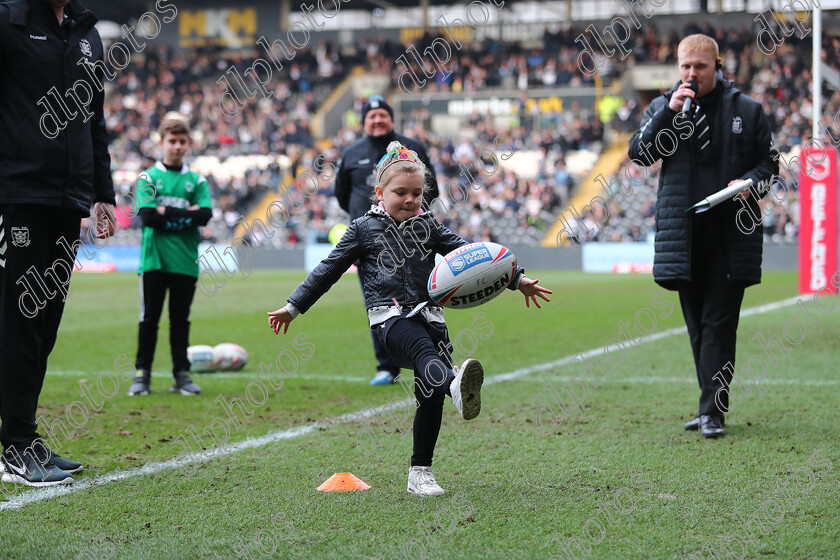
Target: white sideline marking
x,y
689,379
40,494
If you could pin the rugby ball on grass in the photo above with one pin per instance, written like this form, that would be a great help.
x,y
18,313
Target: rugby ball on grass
x,y
471,275
202,358
231,357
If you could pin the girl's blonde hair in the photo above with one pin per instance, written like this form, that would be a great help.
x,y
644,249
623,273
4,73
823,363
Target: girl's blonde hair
x,y
398,159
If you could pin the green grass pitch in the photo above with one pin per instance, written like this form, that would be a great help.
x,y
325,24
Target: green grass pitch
x,y
623,481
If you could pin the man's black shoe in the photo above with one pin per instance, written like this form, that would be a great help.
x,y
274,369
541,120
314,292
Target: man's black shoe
x,y
694,424
66,465
711,426
29,470
44,455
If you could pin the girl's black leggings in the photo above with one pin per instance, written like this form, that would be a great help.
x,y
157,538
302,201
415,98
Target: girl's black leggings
x,y
414,343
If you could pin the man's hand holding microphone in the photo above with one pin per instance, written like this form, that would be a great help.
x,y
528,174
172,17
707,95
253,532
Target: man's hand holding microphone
x,y
681,99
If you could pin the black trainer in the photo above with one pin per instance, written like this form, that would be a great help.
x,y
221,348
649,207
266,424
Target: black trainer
x,y
67,465
183,384
47,454
142,382
33,469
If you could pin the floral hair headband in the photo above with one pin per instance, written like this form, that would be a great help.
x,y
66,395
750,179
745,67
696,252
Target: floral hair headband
x,y
396,153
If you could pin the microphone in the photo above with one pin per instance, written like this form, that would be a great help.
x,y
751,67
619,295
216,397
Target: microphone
x,y
687,103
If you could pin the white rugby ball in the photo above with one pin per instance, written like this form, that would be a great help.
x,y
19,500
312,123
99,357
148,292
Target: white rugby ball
x,y
230,356
202,358
471,275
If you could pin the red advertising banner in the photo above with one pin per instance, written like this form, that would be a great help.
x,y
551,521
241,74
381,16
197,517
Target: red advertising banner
x,y
818,227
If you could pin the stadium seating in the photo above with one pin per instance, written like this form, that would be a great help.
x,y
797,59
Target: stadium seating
x,y
233,152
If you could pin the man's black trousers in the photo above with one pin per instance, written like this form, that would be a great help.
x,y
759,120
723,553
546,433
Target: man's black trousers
x,y
711,305
153,287
37,250
383,359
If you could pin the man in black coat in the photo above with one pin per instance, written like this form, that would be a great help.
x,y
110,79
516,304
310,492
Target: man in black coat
x,y
54,165
354,184
723,137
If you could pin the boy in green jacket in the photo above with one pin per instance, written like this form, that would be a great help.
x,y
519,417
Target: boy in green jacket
x,y
171,220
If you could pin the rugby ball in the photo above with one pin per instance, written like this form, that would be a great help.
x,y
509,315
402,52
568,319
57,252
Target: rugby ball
x,y
202,358
471,275
230,356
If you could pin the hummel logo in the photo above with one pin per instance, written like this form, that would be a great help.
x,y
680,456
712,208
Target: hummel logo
x,y
364,161
38,37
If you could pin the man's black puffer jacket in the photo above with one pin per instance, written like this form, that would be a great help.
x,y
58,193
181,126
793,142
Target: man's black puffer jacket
x,y
45,157
746,152
395,260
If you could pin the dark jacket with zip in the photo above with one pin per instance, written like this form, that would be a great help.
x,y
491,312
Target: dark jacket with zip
x,y
746,151
395,260
53,142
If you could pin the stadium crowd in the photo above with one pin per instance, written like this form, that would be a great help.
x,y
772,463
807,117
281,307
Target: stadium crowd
x,y
163,80
507,205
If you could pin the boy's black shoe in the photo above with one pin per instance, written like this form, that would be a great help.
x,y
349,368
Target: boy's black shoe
x,y
142,382
33,471
183,384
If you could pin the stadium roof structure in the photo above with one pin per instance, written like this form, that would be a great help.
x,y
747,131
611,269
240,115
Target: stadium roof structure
x,y
127,9
525,11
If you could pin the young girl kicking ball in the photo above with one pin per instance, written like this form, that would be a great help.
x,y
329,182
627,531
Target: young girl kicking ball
x,y
395,244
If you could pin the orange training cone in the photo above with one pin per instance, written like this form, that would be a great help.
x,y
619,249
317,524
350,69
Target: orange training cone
x,y
343,482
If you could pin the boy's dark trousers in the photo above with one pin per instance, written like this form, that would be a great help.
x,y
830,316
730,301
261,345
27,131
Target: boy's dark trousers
x,y
415,344
37,250
153,287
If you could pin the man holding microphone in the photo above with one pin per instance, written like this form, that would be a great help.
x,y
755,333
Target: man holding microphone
x,y
708,135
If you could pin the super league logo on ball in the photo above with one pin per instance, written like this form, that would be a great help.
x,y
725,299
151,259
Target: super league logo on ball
x,y
469,259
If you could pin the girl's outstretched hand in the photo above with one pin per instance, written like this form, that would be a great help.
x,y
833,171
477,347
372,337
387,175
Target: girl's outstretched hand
x,y
279,318
531,290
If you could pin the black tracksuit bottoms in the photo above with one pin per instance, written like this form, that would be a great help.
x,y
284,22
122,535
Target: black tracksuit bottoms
x,y
153,287
383,359
37,250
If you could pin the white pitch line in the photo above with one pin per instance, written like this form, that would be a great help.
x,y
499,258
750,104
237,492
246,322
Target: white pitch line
x,y
650,338
693,380
40,494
